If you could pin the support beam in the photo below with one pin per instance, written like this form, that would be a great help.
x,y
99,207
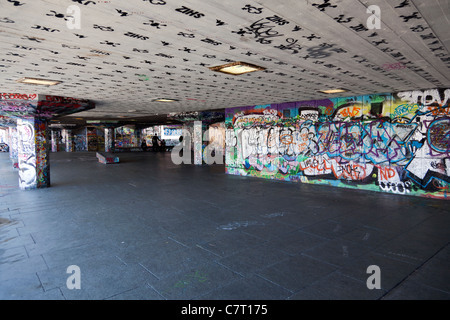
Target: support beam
x,y
33,153
109,140
54,135
198,142
68,140
14,147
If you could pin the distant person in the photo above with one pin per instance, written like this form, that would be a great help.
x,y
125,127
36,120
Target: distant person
x,y
155,142
144,145
163,145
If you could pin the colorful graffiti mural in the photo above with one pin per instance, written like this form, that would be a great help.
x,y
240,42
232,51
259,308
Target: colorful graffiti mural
x,y
398,143
33,154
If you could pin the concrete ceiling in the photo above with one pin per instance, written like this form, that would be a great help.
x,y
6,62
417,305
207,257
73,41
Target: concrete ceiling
x,y
127,53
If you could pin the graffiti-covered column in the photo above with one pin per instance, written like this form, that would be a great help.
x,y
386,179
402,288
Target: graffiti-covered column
x,y
198,142
13,146
109,140
68,140
33,153
54,136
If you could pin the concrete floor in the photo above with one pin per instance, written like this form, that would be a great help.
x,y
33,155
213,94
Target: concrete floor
x,y
148,229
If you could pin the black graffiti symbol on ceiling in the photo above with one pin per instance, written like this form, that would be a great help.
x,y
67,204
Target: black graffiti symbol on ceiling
x,y
324,5
58,15
84,2
103,28
135,36
122,13
156,2
405,3
6,20
38,27
220,23
109,43
251,9
155,24
190,12
414,15
16,3
261,30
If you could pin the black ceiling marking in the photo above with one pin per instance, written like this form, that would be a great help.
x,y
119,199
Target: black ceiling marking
x,y
16,3
164,55
359,28
135,36
38,40
292,46
80,36
156,2
82,58
190,12
220,23
122,13
210,41
155,24
188,50
103,28
164,43
253,10
23,47
261,30
58,15
341,19
76,64
70,47
95,51
414,15
186,35
38,27
140,50
403,4
109,43
84,2
278,20
297,28
324,5
6,20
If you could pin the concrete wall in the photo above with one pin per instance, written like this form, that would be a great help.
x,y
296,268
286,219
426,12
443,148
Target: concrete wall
x,y
397,143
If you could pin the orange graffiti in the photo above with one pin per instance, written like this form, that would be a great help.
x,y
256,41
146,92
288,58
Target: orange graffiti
x,y
350,111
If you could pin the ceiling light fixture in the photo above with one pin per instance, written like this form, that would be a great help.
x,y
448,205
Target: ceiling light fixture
x,y
331,91
237,68
164,100
37,81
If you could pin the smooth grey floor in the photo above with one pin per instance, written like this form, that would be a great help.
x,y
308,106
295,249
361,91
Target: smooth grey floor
x,y
148,229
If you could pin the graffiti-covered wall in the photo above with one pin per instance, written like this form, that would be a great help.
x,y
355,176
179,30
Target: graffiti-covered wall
x,y
397,143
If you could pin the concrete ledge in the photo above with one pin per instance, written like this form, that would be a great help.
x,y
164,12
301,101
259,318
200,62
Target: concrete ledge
x,y
106,157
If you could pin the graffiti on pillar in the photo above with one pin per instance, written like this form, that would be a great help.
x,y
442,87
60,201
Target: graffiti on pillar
x,y
397,143
92,142
79,141
26,154
42,153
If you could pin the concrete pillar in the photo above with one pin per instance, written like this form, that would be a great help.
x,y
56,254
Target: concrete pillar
x,y
54,136
198,142
68,140
13,147
33,153
109,140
